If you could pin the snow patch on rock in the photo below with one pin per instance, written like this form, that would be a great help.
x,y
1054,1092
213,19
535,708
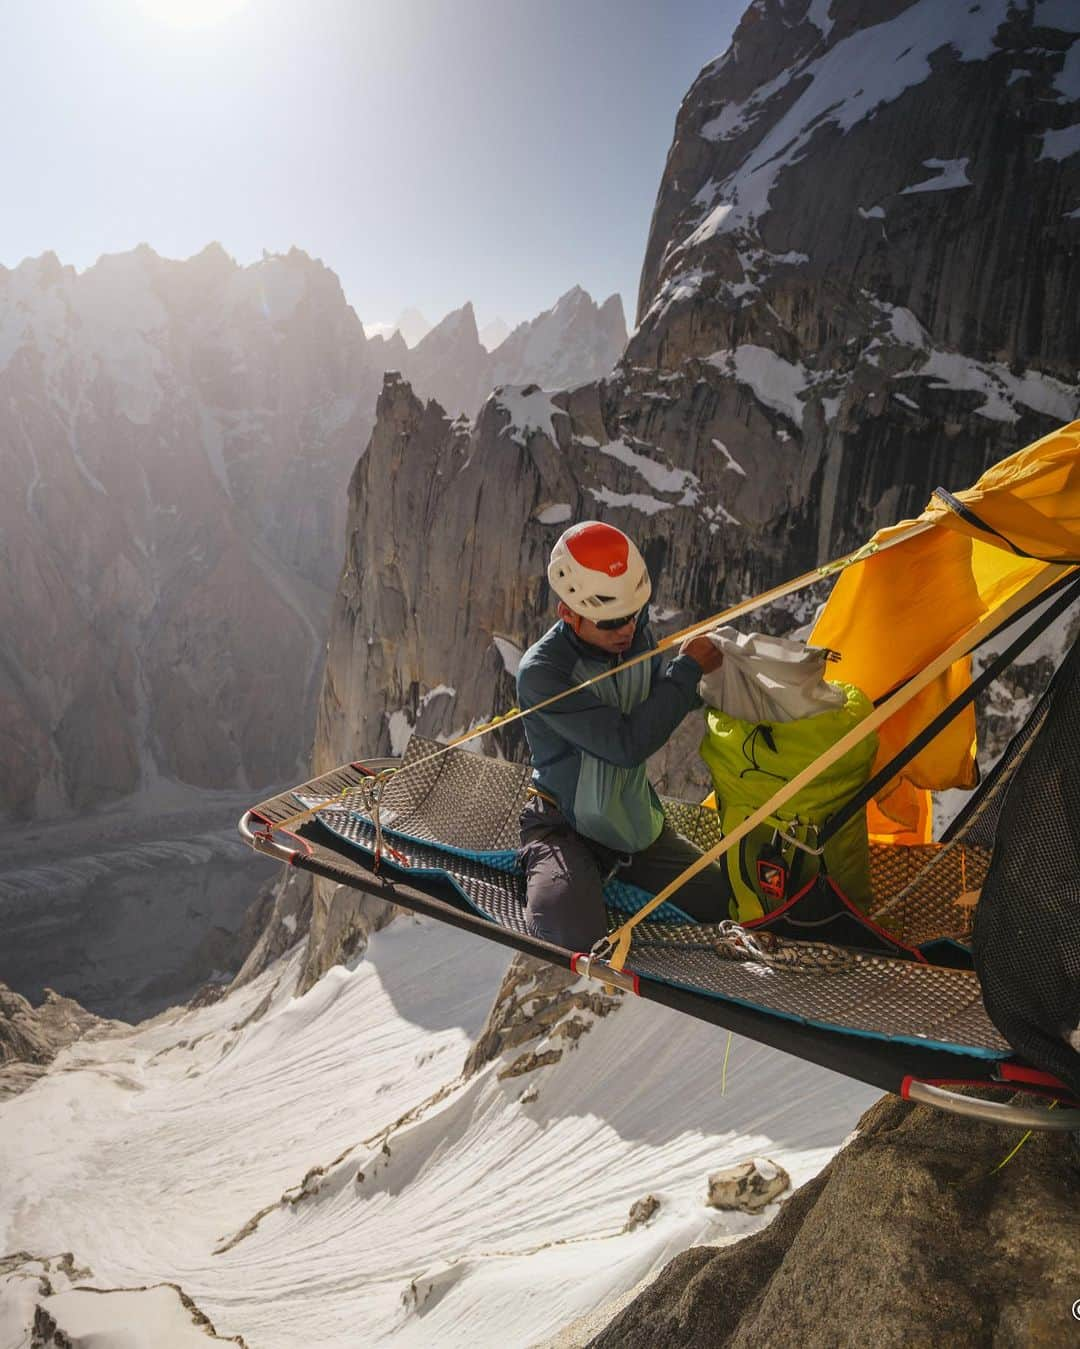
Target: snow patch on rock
x,y
558,513
636,501
950,173
1000,387
509,652
730,462
843,86
1062,144
776,383
400,727
659,476
530,409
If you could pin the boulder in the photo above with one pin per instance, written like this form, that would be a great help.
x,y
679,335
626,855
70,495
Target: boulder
x,y
751,1185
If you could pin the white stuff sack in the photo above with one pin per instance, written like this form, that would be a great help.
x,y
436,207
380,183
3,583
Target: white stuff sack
x,y
768,678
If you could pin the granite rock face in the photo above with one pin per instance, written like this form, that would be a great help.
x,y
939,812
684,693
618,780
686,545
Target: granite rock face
x,y
174,439
909,1235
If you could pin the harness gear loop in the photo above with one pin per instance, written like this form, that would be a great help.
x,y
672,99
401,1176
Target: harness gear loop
x,y
998,618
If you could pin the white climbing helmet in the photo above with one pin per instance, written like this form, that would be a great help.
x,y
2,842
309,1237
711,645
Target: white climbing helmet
x,y
596,571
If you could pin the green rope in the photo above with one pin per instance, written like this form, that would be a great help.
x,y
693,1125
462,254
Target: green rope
x,y
723,1070
1009,1156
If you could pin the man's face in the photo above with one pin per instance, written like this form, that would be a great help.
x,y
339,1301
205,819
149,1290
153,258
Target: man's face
x,y
613,640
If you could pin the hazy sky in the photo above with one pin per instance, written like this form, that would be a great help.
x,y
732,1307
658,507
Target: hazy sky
x,y
429,151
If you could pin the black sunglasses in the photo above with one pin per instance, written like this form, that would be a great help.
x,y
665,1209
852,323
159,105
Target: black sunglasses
x,y
614,624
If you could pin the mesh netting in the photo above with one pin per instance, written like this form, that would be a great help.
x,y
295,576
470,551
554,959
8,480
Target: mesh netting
x,y
864,994
1027,926
928,891
1020,909
461,800
456,798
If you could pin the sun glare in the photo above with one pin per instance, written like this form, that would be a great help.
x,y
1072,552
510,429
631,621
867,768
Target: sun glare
x,y
192,13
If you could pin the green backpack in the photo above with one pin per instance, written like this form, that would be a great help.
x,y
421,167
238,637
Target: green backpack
x,y
749,762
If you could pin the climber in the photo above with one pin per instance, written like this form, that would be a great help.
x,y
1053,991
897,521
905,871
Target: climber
x,y
592,812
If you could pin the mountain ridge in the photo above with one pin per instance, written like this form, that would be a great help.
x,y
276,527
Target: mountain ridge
x,y
179,437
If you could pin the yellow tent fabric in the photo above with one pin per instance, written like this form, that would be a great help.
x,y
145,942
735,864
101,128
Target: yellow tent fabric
x,y
893,613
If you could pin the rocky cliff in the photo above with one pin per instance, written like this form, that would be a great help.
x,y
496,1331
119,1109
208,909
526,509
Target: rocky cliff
x,y
176,440
861,282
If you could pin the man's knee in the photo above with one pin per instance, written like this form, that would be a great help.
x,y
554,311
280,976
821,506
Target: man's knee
x,y
564,903
706,897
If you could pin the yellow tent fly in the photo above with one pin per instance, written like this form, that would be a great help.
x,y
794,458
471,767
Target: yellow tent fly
x,y
893,613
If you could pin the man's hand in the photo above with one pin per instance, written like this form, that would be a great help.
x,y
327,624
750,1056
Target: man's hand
x,y
707,654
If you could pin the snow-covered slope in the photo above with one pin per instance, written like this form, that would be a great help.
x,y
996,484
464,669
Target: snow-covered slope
x,y
327,1175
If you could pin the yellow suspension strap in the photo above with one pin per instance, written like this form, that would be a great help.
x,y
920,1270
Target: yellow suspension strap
x,y
823,572
614,949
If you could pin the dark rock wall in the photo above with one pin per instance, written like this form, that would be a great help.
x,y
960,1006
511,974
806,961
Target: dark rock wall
x,y
910,1235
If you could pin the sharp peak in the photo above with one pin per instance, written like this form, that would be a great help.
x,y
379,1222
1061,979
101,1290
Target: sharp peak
x,y
464,314
213,249
575,292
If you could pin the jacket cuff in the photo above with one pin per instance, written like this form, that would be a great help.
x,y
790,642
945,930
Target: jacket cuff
x,y
685,672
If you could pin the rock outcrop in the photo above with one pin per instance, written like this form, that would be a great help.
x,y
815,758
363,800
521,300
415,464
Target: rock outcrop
x,y
870,1251
31,1037
751,1185
537,1002
51,1305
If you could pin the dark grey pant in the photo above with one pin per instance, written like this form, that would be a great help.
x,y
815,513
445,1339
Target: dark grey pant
x,y
565,874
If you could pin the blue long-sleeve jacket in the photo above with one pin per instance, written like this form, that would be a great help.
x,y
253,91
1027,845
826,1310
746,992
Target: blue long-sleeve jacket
x,y
589,749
